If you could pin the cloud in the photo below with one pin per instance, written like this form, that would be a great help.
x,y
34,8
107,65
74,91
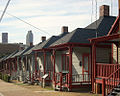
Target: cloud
x,y
48,15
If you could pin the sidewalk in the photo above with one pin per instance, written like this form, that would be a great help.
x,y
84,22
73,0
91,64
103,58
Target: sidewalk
x,y
11,89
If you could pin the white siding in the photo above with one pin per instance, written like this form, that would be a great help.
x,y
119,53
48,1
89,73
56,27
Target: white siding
x,y
58,60
119,54
114,54
77,57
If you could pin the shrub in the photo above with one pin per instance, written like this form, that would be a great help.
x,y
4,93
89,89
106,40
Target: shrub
x,y
5,77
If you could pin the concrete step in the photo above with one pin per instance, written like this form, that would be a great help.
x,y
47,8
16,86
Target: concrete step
x,y
116,89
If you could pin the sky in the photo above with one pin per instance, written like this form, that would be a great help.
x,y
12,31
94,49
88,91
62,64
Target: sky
x,y
49,16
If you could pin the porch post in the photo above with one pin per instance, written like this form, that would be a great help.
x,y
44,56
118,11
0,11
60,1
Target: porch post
x,y
117,53
54,66
93,66
44,62
35,63
70,68
9,66
16,64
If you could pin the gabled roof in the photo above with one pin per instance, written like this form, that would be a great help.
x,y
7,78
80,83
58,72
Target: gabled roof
x,y
81,35
50,41
31,50
12,54
22,52
2,59
104,23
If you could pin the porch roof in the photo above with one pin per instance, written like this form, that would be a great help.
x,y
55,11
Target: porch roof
x,y
111,38
81,35
50,41
11,55
31,50
22,52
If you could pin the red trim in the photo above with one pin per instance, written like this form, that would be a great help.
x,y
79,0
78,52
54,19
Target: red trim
x,y
112,54
93,65
66,62
83,57
105,38
117,53
35,63
54,66
44,62
70,68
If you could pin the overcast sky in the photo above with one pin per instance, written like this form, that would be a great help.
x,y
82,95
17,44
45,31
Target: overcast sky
x,y
48,15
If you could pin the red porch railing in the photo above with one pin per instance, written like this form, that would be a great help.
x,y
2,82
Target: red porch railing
x,y
105,70
81,78
62,79
111,82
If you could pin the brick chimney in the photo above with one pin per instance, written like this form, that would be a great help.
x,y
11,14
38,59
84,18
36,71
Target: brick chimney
x,y
43,38
64,29
104,10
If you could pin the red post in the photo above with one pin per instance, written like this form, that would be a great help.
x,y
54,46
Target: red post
x,y
35,63
61,81
9,67
16,64
54,66
70,68
103,87
93,65
44,62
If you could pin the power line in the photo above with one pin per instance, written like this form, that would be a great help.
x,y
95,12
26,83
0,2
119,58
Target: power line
x,y
92,11
96,19
111,8
27,23
5,10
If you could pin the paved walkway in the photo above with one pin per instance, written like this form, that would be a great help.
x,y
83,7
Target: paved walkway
x,y
10,89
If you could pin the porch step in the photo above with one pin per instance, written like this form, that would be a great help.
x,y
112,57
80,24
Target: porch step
x,y
63,88
115,91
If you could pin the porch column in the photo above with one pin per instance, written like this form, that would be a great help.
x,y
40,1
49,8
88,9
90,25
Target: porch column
x,y
54,66
44,53
70,68
93,65
16,64
35,63
117,52
9,66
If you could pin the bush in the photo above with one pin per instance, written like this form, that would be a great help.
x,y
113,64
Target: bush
x,y
5,77
0,75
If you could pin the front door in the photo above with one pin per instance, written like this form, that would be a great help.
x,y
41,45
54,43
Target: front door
x,y
65,63
85,68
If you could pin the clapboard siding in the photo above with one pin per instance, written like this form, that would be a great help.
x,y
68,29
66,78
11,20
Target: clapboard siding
x,y
114,54
48,61
103,55
58,60
119,54
77,57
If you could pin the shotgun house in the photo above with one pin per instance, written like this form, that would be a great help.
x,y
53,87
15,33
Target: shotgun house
x,y
43,63
3,64
72,53
22,68
107,74
10,67
30,57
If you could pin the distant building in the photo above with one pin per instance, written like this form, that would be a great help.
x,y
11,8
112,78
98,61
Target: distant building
x,y
29,38
4,37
